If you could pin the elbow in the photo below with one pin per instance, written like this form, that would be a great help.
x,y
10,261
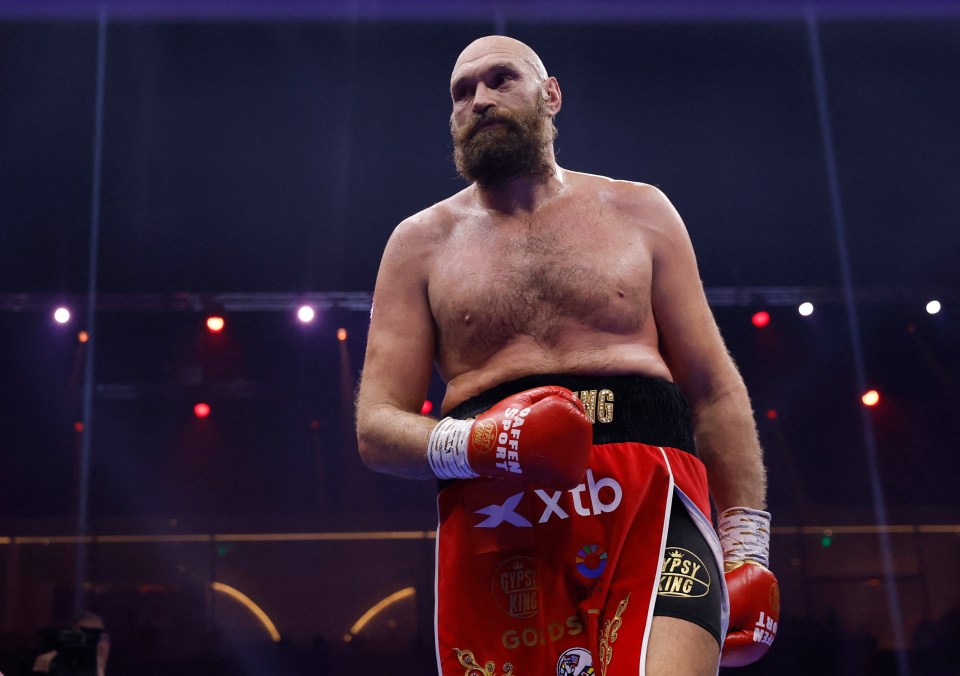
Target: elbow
x,y
372,444
716,389
387,444
368,454
367,445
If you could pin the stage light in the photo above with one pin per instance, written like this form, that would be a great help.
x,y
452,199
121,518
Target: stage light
x,y
426,408
933,307
61,315
760,319
78,426
215,323
870,398
805,309
341,334
771,414
83,336
306,314
201,410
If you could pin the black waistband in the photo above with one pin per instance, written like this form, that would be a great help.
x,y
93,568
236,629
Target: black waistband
x,y
622,408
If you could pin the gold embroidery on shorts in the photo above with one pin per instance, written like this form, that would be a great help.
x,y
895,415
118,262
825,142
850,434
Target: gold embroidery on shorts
x,y
473,668
609,636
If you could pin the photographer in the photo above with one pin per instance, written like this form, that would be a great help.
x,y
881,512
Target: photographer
x,y
81,650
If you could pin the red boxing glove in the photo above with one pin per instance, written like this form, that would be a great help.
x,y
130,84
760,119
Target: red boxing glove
x,y
754,613
541,436
753,589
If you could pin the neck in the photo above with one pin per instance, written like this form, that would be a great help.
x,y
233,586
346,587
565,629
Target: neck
x,y
523,193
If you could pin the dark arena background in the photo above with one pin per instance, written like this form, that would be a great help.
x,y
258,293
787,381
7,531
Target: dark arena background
x,y
166,162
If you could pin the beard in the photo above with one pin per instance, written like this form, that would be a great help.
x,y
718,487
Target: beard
x,y
518,146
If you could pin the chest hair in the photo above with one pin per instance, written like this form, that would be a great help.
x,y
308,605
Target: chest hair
x,y
539,281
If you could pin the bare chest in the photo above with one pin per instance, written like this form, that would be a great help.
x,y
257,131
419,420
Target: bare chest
x,y
545,279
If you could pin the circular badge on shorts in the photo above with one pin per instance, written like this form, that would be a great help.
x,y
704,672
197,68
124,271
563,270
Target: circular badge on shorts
x,y
575,662
591,561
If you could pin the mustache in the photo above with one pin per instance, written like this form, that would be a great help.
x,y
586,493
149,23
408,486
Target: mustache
x,y
478,120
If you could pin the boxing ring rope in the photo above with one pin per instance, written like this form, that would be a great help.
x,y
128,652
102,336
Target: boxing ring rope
x,y
373,536
359,301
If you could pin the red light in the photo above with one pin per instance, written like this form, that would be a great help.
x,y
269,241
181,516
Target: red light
x,y
201,410
760,319
870,398
78,426
427,407
341,334
772,414
215,324
83,336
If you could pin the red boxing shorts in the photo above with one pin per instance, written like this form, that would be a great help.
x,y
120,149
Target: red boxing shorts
x,y
535,582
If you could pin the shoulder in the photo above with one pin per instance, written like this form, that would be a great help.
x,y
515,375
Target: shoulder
x,y
418,242
431,226
634,203
620,194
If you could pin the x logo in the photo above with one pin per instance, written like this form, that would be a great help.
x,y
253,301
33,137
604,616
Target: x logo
x,y
497,514
553,506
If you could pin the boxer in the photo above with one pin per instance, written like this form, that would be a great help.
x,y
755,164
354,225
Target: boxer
x,y
591,408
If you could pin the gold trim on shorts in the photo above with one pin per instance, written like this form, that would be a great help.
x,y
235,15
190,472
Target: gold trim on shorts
x,y
609,636
473,667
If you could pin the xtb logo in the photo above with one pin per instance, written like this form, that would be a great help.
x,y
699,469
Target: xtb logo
x,y
506,513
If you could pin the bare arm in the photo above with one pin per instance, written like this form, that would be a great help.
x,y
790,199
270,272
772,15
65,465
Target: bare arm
x,y
691,344
392,434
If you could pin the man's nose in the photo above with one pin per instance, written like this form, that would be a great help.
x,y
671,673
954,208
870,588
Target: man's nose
x,y
483,99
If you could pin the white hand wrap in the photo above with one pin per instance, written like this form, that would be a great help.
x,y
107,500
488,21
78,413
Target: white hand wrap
x,y
447,449
745,535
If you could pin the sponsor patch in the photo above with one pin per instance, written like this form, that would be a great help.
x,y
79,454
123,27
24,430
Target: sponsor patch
x,y
515,587
545,632
683,575
592,498
591,561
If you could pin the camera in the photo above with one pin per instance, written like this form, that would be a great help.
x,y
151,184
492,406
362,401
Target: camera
x,y
76,650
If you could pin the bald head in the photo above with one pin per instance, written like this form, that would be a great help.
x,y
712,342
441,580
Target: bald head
x,y
501,46
503,108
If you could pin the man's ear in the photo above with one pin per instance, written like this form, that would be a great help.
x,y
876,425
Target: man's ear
x,y
552,98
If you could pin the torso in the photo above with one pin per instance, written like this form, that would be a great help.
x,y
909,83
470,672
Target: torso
x,y
565,289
